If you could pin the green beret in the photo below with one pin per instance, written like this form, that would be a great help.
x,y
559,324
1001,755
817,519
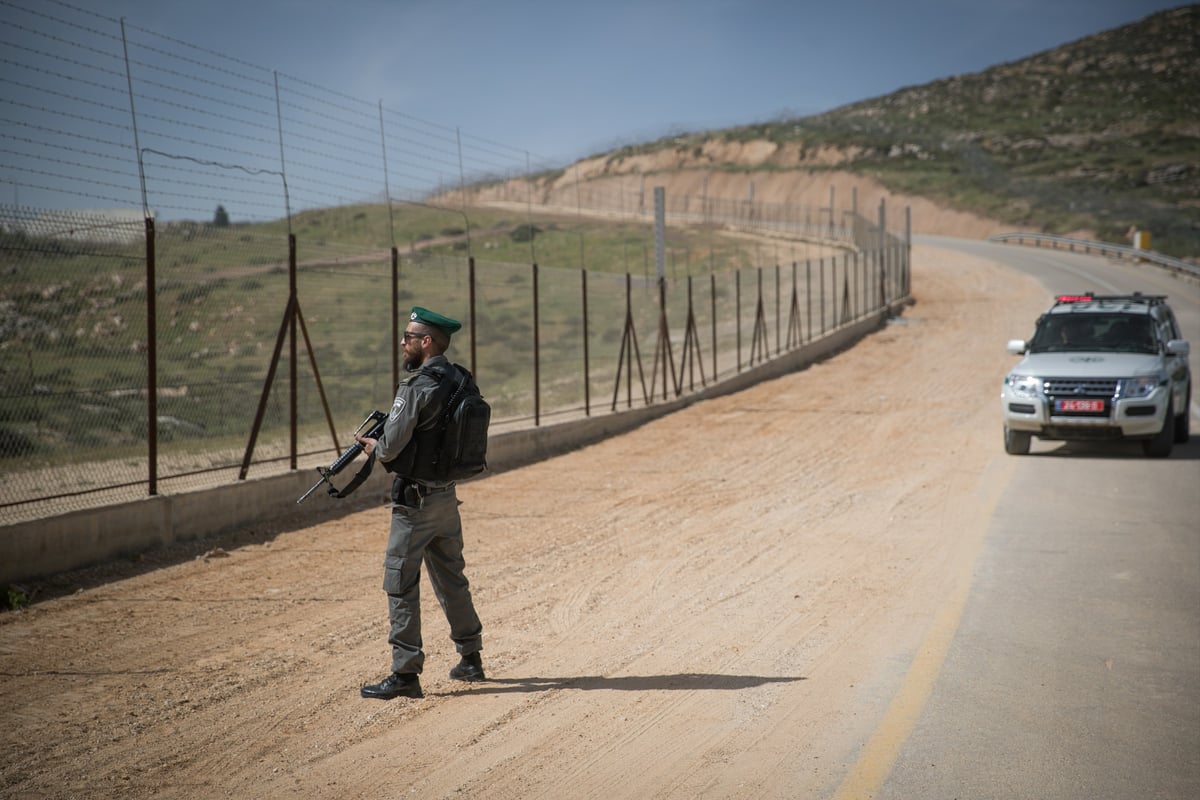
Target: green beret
x,y
444,324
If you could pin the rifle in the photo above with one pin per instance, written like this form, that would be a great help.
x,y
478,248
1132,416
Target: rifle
x,y
376,430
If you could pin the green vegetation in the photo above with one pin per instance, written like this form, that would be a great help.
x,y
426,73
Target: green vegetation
x,y
73,314
1100,134
15,598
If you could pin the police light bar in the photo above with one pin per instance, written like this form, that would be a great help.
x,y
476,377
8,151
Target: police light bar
x,y
1073,298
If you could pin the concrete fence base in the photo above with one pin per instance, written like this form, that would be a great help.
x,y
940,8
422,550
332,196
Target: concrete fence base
x,y
46,547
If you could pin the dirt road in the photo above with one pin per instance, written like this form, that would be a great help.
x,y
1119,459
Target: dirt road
x,y
720,604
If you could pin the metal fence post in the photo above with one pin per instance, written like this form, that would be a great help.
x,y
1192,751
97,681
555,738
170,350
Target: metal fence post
x,y
292,388
808,293
883,275
537,354
471,294
778,312
821,279
737,280
712,281
907,250
395,318
587,382
151,363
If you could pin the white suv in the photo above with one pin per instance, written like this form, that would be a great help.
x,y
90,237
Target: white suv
x,y
1100,367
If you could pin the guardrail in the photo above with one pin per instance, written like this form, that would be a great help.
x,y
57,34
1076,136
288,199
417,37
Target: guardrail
x,y
1176,265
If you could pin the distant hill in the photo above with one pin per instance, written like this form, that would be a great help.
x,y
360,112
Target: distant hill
x,y
1101,135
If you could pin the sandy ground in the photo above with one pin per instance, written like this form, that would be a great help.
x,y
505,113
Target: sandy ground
x,y
719,604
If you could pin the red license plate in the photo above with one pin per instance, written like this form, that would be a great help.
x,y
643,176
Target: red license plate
x,y
1079,406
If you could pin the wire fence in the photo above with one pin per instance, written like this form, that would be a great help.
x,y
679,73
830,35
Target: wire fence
x,y
138,359
234,309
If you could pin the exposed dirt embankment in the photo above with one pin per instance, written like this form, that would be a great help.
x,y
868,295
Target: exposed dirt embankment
x,y
756,170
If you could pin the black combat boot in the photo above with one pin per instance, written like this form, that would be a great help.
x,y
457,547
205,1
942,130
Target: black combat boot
x,y
469,669
397,684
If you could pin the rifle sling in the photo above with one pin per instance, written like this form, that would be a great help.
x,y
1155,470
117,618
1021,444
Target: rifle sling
x,y
356,481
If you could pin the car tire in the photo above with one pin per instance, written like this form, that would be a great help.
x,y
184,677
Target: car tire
x,y
1160,446
1183,421
1016,443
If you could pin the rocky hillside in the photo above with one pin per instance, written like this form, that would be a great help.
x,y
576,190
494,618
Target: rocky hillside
x,y
1097,137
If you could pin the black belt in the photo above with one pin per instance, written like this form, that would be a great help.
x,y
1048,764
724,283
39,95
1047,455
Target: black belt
x,y
423,488
413,494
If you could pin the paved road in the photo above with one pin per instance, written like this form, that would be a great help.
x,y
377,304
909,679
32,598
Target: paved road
x,y
1075,668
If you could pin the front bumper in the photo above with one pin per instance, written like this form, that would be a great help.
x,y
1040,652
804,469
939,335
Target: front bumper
x,y
1139,418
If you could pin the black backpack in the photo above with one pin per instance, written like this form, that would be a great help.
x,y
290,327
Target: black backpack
x,y
452,447
463,430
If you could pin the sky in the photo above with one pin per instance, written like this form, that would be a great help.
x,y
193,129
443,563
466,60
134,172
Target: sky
x,y
566,79
268,107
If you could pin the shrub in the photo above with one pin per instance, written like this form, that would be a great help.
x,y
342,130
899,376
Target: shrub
x,y
524,233
14,444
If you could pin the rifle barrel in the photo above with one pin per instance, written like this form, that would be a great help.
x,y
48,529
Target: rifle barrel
x,y
313,489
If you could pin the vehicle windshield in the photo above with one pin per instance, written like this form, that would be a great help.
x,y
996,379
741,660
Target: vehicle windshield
x,y
1120,333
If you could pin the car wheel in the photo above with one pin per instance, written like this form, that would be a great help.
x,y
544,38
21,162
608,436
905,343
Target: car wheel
x,y
1183,421
1016,443
1160,446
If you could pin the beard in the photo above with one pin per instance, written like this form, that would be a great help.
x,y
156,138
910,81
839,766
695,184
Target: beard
x,y
413,363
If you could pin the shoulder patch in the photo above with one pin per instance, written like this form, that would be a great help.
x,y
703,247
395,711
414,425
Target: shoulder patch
x,y
397,407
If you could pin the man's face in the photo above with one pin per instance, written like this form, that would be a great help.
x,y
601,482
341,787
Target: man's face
x,y
414,346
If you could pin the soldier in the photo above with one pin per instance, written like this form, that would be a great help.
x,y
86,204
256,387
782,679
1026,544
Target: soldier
x,y
425,522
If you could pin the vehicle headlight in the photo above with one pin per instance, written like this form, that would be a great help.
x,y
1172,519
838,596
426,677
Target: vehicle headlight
x,y
1024,385
1133,388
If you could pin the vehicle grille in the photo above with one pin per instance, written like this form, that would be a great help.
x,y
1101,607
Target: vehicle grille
x,y
1081,387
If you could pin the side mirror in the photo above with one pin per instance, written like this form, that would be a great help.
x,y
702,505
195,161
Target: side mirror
x,y
1017,347
1178,347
